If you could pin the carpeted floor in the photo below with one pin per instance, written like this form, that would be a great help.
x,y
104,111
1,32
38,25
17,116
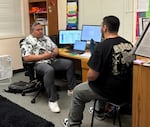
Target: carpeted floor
x,y
13,115
40,108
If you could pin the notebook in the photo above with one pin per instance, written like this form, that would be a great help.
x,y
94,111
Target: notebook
x,y
78,47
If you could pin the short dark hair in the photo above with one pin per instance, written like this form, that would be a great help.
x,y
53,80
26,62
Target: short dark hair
x,y
35,24
112,22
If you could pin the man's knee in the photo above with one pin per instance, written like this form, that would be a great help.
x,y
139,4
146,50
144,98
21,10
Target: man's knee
x,y
48,71
51,70
69,63
78,90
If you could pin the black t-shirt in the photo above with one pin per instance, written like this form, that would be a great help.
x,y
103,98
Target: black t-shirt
x,y
111,58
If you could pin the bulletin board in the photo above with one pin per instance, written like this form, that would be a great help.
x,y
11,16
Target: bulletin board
x,y
72,15
142,16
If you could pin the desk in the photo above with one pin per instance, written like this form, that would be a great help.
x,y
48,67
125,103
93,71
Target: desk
x,y
63,53
141,94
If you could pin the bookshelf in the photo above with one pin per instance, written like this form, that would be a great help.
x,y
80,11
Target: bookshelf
x,y
44,12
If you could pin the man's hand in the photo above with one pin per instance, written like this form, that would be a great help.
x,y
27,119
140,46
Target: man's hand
x,y
46,55
35,57
54,52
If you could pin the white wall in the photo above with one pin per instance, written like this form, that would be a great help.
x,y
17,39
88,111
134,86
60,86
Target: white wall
x,y
10,46
61,14
90,12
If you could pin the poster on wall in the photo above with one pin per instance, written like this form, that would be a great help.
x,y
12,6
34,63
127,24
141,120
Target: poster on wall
x,y
72,14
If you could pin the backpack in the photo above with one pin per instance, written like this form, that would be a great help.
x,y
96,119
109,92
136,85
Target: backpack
x,y
21,87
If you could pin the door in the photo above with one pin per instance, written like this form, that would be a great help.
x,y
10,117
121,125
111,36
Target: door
x,y
52,17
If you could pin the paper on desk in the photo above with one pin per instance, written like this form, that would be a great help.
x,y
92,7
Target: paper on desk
x,y
138,61
147,64
86,54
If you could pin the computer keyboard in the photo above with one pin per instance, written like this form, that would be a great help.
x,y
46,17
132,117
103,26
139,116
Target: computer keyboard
x,y
75,51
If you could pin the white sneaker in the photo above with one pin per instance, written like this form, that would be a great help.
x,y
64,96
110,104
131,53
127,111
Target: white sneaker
x,y
65,122
54,106
91,109
70,92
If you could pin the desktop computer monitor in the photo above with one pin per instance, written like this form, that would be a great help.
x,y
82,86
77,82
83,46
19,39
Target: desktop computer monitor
x,y
91,32
67,37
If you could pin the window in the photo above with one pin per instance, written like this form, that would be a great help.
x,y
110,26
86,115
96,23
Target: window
x,y
11,18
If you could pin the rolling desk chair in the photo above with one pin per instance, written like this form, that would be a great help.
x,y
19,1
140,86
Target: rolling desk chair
x,y
33,78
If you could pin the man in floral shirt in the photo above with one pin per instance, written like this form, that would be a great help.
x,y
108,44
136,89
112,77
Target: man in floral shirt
x,y
41,50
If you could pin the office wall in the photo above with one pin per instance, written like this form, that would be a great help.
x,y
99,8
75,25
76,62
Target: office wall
x,y
90,12
61,14
10,46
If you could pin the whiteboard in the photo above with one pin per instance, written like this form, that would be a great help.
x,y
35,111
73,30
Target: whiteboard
x,y
143,45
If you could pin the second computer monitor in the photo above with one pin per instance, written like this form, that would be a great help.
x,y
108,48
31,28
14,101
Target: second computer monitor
x,y
69,36
91,32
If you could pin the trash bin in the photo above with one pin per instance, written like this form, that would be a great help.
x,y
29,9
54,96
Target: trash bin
x,y
5,67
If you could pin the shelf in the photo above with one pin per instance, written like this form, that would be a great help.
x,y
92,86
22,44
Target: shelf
x,y
39,9
44,12
34,1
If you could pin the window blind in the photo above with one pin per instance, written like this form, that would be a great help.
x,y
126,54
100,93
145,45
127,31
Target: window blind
x,y
11,20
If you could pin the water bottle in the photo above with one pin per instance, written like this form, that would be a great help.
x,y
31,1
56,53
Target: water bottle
x,y
92,45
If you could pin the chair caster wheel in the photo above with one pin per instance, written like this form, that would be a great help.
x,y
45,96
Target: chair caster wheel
x,y
23,94
33,101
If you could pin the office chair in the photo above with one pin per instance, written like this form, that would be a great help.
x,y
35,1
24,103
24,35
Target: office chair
x,y
33,78
55,39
